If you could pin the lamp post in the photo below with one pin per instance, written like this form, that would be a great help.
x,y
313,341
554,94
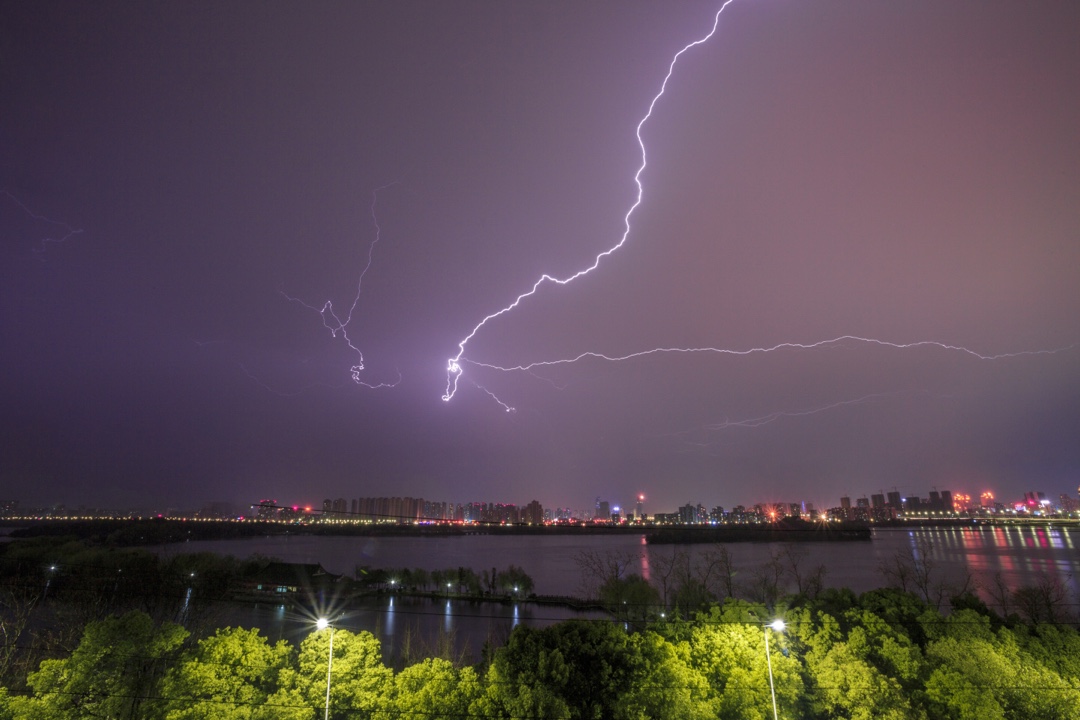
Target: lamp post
x,y
778,626
322,624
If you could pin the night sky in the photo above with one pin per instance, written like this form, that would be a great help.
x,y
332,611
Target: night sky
x,y
171,174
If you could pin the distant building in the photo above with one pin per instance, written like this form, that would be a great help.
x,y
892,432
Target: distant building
x,y
877,501
267,510
603,511
533,514
690,514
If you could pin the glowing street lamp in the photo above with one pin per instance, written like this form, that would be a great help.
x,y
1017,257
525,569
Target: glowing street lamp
x,y
322,623
778,626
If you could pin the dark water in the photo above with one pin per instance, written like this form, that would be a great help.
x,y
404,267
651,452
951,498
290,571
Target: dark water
x,y
413,625
1014,556
1022,555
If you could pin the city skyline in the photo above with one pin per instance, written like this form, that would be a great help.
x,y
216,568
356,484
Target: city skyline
x,y
302,252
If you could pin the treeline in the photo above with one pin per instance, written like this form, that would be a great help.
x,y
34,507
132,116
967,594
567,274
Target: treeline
x,y
52,587
513,582
884,654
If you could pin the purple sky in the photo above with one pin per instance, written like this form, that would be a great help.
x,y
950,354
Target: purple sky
x,y
905,172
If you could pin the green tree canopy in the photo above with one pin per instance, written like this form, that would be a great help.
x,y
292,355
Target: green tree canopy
x,y
228,675
115,672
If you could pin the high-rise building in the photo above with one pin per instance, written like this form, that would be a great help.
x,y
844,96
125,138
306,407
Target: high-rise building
x,y
894,500
639,509
533,514
688,514
845,502
877,501
603,510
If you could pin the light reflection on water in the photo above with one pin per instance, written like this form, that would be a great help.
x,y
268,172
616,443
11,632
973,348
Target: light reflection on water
x,y
1020,555
402,623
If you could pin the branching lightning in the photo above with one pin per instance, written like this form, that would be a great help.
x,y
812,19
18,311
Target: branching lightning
x,y
453,367
44,242
456,364
338,325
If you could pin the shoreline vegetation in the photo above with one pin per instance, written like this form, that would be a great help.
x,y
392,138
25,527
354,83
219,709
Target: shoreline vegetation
x,y
109,631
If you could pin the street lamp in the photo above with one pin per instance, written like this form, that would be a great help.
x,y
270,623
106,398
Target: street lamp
x,y
322,623
778,626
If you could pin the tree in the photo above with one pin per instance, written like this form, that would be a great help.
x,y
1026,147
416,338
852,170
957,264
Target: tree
x,y
430,688
630,598
809,582
989,679
847,686
666,687
359,681
597,569
766,578
18,598
514,581
575,669
228,675
662,570
1046,601
727,646
115,672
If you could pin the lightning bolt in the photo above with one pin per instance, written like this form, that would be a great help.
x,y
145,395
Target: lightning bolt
x,y
338,325
774,416
759,421
506,407
761,350
453,366
43,243
305,388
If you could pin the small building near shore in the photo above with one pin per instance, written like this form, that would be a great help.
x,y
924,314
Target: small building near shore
x,y
282,580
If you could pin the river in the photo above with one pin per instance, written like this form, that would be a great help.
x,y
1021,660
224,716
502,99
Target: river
x,y
1010,556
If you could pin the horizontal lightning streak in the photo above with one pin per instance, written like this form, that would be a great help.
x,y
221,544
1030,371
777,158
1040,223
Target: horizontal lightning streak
x,y
759,350
305,388
773,416
453,367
